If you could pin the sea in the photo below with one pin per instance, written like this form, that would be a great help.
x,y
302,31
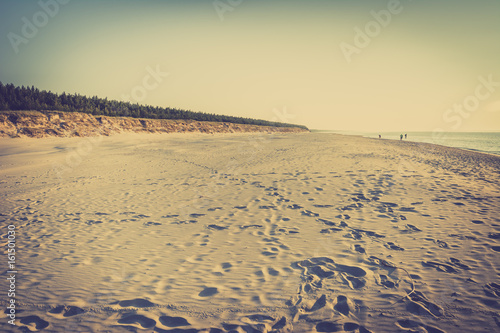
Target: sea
x,y
485,142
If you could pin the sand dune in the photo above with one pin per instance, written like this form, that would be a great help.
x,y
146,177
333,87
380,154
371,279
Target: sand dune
x,y
41,124
251,233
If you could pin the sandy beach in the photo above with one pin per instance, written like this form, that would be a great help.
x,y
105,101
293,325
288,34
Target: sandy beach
x,y
308,232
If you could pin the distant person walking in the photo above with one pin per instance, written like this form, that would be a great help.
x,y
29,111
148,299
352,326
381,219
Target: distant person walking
x,y
380,136
401,137
405,135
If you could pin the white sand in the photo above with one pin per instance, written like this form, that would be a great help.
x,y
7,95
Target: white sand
x,y
187,232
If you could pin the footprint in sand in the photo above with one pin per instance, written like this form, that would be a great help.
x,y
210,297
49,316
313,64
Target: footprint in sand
x,y
359,248
314,270
492,290
410,228
408,209
91,222
309,213
494,235
450,266
267,207
226,266
185,222
148,224
389,204
279,324
419,305
230,327
360,197
330,230
353,234
207,292
243,227
144,321
392,246
140,216
216,227
328,326
441,244
415,326
69,311
463,237
258,321
344,305
136,303
327,222
352,206
386,282
357,234
323,206
288,231
173,321
270,252
38,322
439,266
320,303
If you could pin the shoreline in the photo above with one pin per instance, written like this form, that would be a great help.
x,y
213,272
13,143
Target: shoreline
x,y
415,144
436,141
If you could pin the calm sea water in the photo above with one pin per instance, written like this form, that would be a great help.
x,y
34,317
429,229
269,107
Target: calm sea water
x,y
488,142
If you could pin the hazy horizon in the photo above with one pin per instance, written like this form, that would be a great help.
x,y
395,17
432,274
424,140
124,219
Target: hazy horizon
x,y
367,66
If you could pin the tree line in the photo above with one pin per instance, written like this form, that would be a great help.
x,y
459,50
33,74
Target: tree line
x,y
14,98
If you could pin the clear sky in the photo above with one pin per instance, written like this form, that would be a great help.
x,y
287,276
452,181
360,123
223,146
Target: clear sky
x,y
364,65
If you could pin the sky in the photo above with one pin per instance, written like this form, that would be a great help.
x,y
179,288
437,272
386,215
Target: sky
x,y
368,65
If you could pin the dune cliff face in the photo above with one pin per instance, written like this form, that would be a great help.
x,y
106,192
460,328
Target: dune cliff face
x,y
36,124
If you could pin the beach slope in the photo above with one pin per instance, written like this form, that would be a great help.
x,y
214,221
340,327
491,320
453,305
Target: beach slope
x,y
250,233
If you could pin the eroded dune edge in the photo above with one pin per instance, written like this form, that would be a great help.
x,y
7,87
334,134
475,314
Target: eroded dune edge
x,y
37,124
251,233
